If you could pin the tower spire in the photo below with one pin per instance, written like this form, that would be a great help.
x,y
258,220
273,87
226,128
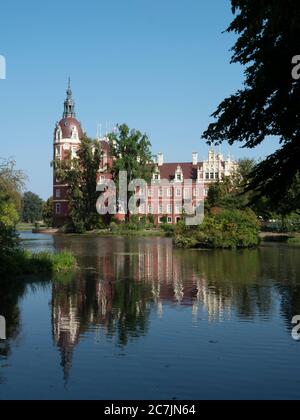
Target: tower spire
x,y
69,106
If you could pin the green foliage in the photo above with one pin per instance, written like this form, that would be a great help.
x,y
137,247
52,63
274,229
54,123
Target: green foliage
x,y
9,215
9,240
20,262
32,208
182,241
290,223
294,241
268,104
151,219
227,230
81,174
48,212
233,193
131,151
11,184
168,229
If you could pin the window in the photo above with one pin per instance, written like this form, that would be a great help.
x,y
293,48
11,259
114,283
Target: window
x,y
178,208
207,176
217,175
58,151
170,220
212,175
170,192
187,193
178,177
150,192
74,134
170,208
150,210
178,192
58,194
58,208
160,209
160,192
161,220
74,151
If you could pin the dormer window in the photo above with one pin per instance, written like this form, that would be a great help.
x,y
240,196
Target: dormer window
x,y
156,175
179,174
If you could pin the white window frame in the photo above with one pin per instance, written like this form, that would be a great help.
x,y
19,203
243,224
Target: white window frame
x,y
186,193
178,192
178,209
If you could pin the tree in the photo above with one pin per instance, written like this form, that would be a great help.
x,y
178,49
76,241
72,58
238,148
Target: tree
x,y
11,184
81,174
229,192
268,105
32,207
48,212
131,152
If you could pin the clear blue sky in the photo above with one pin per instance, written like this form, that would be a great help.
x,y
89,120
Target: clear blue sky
x,y
161,66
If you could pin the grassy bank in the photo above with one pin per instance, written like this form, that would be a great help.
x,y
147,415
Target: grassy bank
x,y
294,241
22,227
23,262
129,232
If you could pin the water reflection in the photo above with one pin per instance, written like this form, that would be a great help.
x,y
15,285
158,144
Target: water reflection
x,y
122,281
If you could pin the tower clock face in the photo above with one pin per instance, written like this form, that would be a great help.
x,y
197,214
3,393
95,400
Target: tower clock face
x,y
66,124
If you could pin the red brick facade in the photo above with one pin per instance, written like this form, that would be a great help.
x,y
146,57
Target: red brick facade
x,y
169,191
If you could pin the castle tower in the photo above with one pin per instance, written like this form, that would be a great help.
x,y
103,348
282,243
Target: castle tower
x,y
67,136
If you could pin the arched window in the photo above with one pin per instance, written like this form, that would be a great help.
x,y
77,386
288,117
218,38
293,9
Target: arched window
x,y
58,134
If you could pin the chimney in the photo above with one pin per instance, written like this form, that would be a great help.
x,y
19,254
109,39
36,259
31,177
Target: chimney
x,y
195,158
160,159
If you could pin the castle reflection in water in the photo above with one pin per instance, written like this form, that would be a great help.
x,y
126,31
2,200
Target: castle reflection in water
x,y
122,282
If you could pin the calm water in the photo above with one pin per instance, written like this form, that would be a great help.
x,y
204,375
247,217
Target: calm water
x,y
143,321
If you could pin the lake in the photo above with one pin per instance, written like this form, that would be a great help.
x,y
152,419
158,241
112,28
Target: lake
x,y
141,320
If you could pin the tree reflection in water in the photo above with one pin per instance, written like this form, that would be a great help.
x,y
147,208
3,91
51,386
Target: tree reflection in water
x,y
122,280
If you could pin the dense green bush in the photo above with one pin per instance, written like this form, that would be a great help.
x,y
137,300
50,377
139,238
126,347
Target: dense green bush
x,y
227,230
291,223
182,241
168,229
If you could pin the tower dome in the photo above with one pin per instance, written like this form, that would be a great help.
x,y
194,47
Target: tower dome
x,y
69,127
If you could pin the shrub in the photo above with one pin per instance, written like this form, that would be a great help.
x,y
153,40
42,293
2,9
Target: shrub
x,y
168,229
226,230
291,223
185,242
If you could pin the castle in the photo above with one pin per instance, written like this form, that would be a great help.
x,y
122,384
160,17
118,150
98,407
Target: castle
x,y
67,136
